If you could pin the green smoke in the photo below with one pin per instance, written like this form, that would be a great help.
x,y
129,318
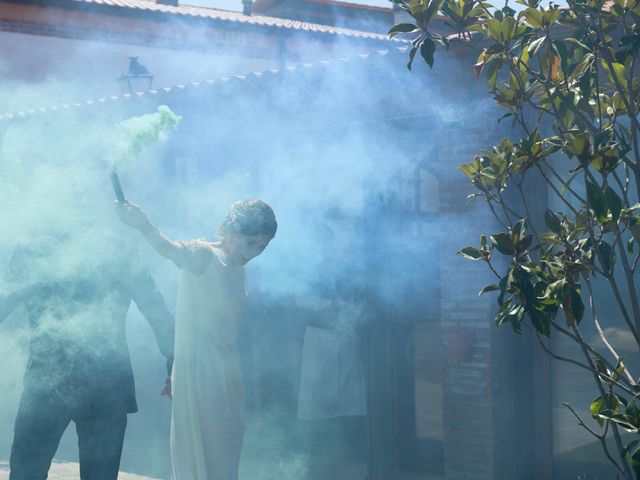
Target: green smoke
x,y
134,134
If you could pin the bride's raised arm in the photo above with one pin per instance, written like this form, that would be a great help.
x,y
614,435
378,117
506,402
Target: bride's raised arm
x,y
191,255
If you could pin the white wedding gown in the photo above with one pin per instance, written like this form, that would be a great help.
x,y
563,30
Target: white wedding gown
x,y
208,394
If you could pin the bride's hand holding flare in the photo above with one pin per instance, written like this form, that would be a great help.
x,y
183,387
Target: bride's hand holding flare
x,y
133,216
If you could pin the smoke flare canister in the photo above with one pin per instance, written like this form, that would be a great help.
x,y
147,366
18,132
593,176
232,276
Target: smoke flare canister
x,y
117,186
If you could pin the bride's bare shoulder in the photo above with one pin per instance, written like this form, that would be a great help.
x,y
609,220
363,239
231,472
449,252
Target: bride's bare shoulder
x,y
197,255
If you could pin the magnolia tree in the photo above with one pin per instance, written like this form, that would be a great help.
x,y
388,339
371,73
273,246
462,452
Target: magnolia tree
x,y
567,78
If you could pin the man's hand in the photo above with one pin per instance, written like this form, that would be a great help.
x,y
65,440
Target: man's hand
x,y
166,390
132,215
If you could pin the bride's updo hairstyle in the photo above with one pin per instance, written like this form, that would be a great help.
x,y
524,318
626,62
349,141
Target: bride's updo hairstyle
x,y
249,218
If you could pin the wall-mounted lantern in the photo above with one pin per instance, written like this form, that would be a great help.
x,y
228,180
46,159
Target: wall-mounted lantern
x,y
136,79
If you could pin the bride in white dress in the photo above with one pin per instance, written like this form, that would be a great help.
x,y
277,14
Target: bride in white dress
x,y
206,382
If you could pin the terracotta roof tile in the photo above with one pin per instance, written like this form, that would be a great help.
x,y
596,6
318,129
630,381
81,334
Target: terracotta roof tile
x,y
337,3
188,11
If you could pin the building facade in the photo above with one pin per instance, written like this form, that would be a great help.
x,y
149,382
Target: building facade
x,y
325,121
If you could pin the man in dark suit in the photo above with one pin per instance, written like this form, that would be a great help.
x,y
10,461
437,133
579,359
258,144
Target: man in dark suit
x,y
79,367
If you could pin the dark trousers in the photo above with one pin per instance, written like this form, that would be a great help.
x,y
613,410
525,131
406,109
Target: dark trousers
x,y
37,432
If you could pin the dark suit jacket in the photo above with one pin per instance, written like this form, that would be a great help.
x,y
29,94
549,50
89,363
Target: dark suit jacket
x,y
78,353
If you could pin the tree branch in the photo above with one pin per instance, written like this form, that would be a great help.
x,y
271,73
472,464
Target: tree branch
x,y
601,438
614,428
596,321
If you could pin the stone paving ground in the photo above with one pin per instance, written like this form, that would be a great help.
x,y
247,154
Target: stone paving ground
x,y
67,471
70,471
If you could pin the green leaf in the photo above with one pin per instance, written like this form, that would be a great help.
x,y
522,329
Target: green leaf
x,y
535,45
607,256
632,409
585,83
633,454
621,74
415,8
503,284
561,49
626,422
479,65
583,66
552,221
402,28
431,10
469,169
489,288
550,16
556,289
532,16
503,243
427,50
471,253
577,305
597,201
524,243
581,146
492,72
493,28
540,321
614,202
550,237
508,29
517,231
412,55
523,281
596,407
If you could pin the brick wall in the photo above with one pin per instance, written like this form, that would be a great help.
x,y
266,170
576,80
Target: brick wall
x,y
477,407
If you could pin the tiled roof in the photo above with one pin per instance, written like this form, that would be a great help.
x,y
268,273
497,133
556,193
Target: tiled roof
x,y
161,94
337,3
212,14
358,6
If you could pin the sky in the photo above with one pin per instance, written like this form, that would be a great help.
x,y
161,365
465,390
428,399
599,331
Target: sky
x,y
237,4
